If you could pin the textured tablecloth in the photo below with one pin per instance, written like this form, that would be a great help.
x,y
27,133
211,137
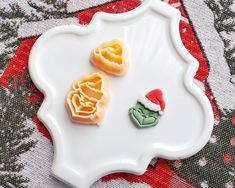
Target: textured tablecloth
x,y
207,29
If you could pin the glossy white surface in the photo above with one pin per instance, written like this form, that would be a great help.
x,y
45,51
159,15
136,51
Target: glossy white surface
x,y
83,154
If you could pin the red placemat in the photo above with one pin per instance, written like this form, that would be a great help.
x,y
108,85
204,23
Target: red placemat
x,y
207,31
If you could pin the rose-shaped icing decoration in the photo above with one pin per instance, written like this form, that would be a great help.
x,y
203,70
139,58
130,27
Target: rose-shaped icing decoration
x,y
111,57
88,98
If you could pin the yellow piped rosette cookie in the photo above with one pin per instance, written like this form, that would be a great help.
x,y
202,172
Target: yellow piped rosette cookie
x,y
87,99
111,57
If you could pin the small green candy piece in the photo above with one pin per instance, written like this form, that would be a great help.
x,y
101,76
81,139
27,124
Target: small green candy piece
x,y
137,115
143,117
150,121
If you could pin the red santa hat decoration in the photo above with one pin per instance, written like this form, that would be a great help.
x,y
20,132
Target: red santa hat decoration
x,y
153,101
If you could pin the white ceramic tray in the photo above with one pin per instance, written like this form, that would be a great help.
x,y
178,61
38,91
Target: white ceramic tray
x,y
83,154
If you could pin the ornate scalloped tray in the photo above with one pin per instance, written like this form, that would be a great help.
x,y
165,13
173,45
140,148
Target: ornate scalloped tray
x,y
83,154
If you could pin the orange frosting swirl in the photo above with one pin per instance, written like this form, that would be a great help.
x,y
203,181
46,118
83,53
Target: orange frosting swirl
x,y
111,57
88,98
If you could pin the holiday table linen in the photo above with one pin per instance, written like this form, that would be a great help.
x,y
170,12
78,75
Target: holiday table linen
x,y
207,31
